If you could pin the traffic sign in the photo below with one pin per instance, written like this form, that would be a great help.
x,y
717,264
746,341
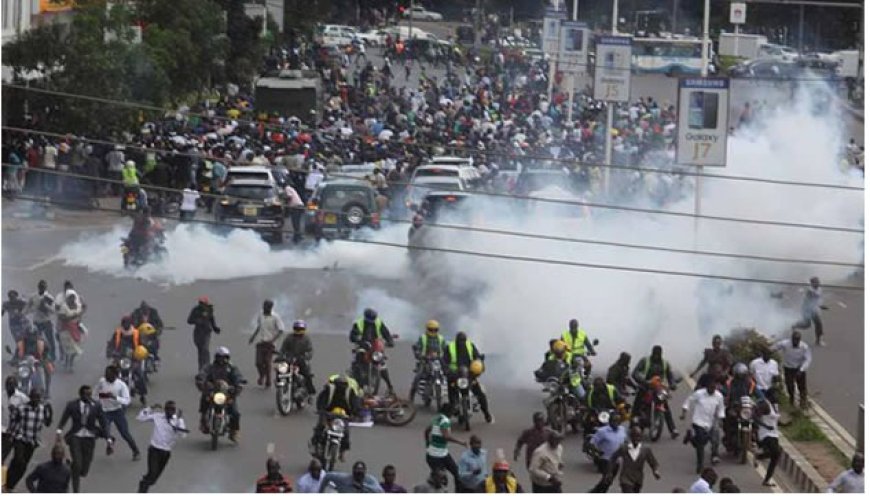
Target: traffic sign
x,y
738,13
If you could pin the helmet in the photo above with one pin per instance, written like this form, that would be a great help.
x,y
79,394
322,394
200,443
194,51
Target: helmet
x,y
203,299
140,353
147,329
339,379
476,367
501,466
370,315
299,326
559,346
222,351
130,163
740,369
432,326
338,411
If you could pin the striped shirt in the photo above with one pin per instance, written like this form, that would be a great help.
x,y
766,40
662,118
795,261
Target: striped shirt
x,y
27,422
437,442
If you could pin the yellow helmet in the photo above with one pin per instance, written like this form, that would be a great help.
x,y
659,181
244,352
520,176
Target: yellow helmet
x,y
140,353
432,326
147,329
338,411
559,346
476,367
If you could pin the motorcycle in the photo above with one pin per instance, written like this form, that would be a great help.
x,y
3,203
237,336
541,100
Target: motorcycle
x,y
152,251
289,385
390,410
30,374
433,384
745,418
131,203
562,405
370,360
217,415
327,446
653,407
467,402
126,366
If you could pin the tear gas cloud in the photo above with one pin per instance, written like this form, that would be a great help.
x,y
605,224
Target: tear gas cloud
x,y
512,309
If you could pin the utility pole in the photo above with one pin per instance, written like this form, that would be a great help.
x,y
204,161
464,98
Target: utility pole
x,y
800,47
674,17
608,137
410,21
477,15
705,43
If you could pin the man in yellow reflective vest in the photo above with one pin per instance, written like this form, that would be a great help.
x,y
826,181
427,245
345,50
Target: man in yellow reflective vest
x,y
363,333
463,353
339,396
578,343
558,364
431,345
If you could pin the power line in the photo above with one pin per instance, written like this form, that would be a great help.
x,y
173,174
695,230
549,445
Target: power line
x,y
510,196
502,232
499,256
460,149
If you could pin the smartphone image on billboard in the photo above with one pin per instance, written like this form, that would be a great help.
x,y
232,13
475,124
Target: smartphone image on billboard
x,y
703,110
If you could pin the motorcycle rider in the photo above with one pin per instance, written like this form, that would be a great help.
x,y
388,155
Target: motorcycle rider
x,y
145,231
430,344
558,363
298,345
221,370
338,397
125,341
16,307
619,374
736,387
578,344
32,343
644,371
463,353
145,314
603,396
365,331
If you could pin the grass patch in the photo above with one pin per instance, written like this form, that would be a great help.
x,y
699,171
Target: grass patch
x,y
801,429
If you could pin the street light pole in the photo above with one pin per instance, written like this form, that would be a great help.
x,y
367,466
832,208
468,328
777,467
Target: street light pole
x,y
608,137
705,43
573,84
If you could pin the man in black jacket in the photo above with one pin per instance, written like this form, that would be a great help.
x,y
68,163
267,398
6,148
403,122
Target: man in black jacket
x,y
202,319
88,423
52,476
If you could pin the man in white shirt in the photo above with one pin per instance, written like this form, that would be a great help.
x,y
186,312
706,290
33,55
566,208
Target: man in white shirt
x,y
852,480
313,179
168,428
796,359
310,481
269,328
49,162
297,208
765,370
708,409
767,420
114,397
705,483
189,196
14,399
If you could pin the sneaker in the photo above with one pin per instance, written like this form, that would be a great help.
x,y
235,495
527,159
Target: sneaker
x,y
136,456
234,436
822,344
489,419
715,460
109,450
675,434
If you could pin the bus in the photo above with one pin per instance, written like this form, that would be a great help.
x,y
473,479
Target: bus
x,y
668,56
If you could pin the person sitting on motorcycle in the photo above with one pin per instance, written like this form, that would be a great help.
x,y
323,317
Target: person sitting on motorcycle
x,y
141,233
430,345
463,353
619,374
32,344
338,397
220,370
578,344
145,314
602,397
298,345
124,340
647,368
558,364
736,387
364,332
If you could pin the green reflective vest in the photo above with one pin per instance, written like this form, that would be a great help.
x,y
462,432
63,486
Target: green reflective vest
x,y
577,345
424,340
379,325
130,176
451,349
646,368
351,382
611,392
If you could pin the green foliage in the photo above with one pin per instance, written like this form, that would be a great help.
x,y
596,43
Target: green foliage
x,y
745,344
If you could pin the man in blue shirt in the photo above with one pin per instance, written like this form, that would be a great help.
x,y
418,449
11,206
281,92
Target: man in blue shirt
x,y
473,468
356,482
607,440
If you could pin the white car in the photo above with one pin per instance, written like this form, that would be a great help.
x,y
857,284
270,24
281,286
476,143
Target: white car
x,y
418,13
336,35
374,37
421,185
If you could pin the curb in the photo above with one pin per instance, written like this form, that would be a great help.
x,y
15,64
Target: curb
x,y
799,470
840,438
858,114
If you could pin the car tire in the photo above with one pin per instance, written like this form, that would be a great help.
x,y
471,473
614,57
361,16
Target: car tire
x,y
355,210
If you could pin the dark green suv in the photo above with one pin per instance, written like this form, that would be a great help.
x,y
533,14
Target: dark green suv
x,y
338,207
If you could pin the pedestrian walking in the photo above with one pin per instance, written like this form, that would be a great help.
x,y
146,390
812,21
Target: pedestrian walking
x,y
389,483
606,441
168,428
708,409
273,481
14,399
41,306
114,396
438,434
270,327
202,319
767,420
852,480
811,310
705,482
796,359
532,438
88,424
629,461
765,371
25,426
310,481
52,476
15,306
358,481
546,466
435,483
473,467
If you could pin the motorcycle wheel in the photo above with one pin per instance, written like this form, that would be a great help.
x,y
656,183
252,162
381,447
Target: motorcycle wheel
x,y
284,399
744,438
215,435
401,413
555,417
466,413
656,426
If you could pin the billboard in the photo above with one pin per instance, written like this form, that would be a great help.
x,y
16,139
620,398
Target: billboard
x,y
702,123
573,47
550,36
613,69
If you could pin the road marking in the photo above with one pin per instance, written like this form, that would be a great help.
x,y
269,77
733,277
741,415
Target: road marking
x,y
270,449
842,305
37,265
761,470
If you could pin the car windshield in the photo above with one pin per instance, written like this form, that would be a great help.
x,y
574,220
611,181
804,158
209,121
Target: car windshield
x,y
336,199
249,192
260,176
437,172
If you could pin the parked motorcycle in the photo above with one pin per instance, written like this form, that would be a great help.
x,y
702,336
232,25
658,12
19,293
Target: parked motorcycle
x,y
433,384
290,387
390,410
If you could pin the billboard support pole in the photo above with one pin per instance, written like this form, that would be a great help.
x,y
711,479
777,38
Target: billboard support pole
x,y
705,41
608,137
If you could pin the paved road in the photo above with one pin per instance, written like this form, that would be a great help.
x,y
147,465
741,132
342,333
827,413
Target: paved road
x,y
329,300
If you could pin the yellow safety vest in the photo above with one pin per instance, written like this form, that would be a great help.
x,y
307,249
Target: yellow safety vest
x,y
611,392
451,348
489,484
576,345
130,177
360,325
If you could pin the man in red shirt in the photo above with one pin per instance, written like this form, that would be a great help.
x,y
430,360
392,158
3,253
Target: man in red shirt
x,y
273,481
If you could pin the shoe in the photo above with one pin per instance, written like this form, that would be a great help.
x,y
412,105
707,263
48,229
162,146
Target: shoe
x,y
136,456
768,484
260,381
675,434
234,436
489,419
821,343
109,450
714,460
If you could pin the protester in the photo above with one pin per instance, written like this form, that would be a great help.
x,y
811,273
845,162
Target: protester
x,y
851,480
88,424
545,468
274,481
25,426
52,476
532,437
705,482
310,481
473,467
169,427
389,483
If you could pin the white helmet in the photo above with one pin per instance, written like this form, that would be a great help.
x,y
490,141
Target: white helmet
x,y
222,351
741,369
